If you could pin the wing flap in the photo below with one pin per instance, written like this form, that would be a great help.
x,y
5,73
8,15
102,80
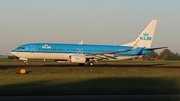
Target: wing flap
x,y
106,55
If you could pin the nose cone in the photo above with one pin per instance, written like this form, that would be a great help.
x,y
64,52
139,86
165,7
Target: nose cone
x,y
13,52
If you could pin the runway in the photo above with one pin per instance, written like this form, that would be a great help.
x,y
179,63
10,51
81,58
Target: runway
x,y
98,65
90,97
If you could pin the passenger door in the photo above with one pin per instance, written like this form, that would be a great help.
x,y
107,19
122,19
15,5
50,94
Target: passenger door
x,y
32,48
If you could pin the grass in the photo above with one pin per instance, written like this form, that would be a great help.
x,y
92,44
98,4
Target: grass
x,y
113,79
76,80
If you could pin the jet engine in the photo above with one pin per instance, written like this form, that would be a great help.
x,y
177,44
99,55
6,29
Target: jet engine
x,y
77,59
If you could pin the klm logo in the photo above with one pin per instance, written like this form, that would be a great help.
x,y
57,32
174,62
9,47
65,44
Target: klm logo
x,y
46,46
145,37
77,58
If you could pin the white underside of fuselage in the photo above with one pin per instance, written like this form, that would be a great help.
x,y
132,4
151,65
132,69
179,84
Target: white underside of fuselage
x,y
29,55
57,56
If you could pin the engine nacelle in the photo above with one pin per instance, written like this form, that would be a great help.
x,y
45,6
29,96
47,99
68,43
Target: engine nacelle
x,y
77,59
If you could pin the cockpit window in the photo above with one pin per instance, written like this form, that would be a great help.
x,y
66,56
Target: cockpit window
x,y
21,47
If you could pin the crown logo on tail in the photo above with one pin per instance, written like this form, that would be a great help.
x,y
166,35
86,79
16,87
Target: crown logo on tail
x,y
146,34
146,37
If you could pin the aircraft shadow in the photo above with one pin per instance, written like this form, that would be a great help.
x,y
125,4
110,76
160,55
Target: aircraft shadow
x,y
96,86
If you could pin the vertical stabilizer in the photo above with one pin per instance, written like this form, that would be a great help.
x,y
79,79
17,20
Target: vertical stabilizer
x,y
146,37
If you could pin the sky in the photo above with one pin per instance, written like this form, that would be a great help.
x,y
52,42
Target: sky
x,y
91,21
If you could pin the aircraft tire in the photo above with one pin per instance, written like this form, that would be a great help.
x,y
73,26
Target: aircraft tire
x,y
26,63
91,64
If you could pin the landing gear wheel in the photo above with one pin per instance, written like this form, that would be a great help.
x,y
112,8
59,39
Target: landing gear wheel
x,y
91,64
25,63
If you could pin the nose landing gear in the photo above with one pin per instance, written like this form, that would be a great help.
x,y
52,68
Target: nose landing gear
x,y
26,63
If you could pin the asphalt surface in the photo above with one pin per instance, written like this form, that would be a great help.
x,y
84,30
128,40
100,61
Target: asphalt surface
x,y
96,65
89,97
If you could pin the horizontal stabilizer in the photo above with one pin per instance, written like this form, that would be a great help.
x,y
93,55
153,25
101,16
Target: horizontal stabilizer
x,y
156,48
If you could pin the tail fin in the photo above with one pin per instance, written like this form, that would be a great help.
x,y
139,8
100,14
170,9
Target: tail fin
x,y
146,37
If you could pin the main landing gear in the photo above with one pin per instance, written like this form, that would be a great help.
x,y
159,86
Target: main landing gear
x,y
91,63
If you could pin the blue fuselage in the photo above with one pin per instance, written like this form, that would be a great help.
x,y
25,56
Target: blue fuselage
x,y
85,49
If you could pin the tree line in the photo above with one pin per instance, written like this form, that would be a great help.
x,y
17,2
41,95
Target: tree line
x,y
166,54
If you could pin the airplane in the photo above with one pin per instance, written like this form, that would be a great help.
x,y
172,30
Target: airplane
x,y
88,53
